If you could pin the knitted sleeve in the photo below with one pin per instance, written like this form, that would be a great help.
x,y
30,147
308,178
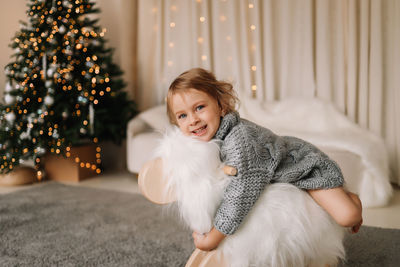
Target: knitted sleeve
x,y
245,188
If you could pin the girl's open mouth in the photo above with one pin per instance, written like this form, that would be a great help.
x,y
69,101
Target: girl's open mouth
x,y
200,131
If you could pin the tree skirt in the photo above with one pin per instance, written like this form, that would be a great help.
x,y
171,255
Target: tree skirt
x,y
56,224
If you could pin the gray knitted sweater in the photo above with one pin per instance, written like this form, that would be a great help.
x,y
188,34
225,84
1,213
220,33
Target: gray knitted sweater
x,y
262,158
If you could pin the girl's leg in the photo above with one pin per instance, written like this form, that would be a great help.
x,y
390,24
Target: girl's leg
x,y
344,207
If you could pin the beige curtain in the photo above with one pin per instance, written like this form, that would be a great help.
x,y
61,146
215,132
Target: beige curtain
x,y
344,51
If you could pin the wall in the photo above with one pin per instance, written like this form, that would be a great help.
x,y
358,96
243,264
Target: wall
x,y
11,12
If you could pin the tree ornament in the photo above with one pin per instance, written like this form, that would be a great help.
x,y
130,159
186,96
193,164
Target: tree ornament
x,y
10,117
40,151
50,72
91,118
68,50
55,134
95,43
7,71
62,29
8,87
82,99
9,99
67,4
25,135
49,100
89,64
48,83
44,64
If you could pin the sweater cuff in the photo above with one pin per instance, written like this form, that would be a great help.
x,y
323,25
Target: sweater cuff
x,y
227,228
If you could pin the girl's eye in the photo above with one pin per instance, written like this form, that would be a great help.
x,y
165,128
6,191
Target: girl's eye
x,y
181,116
199,107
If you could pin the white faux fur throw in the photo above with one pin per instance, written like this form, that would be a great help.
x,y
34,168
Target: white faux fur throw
x,y
321,124
284,228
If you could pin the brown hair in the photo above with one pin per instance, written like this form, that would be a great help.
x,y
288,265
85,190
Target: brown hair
x,y
205,81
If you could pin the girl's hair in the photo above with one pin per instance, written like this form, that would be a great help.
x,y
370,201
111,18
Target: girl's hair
x,y
205,81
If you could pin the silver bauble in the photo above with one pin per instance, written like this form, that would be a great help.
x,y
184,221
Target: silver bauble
x,y
49,100
9,99
10,117
62,29
8,87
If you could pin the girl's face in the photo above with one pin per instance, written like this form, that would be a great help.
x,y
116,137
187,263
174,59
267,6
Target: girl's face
x,y
196,113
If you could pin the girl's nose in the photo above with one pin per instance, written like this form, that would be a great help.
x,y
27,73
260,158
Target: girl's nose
x,y
194,119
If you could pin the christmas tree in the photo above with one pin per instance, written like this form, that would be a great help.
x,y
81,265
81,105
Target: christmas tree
x,y
62,88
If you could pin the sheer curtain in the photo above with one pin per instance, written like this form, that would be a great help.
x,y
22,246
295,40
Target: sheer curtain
x,y
345,51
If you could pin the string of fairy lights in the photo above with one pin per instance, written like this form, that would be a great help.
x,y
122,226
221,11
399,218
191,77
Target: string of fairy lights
x,y
253,67
59,73
202,37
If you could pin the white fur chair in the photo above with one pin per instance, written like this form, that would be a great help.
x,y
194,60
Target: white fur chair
x,y
361,155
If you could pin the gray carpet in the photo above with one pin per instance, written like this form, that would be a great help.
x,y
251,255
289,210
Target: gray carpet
x,y
59,225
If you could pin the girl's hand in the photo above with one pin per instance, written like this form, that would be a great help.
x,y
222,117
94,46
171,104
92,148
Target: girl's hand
x,y
229,170
208,241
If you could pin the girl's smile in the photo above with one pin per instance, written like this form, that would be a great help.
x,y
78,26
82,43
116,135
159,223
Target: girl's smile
x,y
196,113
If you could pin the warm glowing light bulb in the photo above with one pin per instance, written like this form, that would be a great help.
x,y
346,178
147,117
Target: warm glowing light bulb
x,y
253,68
253,27
202,19
39,175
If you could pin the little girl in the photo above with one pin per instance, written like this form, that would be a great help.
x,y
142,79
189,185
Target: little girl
x,y
203,107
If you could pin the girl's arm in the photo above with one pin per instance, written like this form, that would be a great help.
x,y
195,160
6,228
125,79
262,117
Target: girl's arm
x,y
208,241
